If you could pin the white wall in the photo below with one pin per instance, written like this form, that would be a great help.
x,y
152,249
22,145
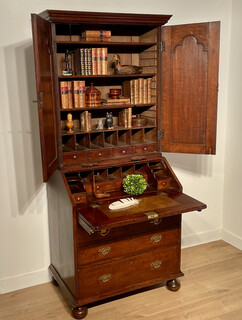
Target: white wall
x,y
232,213
24,249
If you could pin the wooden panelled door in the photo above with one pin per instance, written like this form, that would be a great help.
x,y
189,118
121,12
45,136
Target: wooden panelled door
x,y
190,87
45,94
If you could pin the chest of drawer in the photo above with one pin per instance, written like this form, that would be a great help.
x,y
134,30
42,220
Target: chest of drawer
x,y
114,250
101,281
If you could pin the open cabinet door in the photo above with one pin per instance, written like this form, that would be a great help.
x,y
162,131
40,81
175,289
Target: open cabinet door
x,y
190,87
45,94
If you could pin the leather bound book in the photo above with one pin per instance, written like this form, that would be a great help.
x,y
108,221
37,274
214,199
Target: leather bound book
x,y
70,94
104,59
94,61
76,94
64,94
82,89
99,62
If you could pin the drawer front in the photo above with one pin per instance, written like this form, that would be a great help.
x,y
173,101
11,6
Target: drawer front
x,y
105,280
99,154
116,234
74,157
118,152
145,148
163,184
127,247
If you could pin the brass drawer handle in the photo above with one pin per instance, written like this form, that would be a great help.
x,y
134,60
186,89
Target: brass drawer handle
x,y
105,278
104,250
156,238
156,264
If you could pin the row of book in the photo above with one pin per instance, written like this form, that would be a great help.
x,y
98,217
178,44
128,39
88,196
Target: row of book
x,y
97,35
91,61
72,94
138,90
124,119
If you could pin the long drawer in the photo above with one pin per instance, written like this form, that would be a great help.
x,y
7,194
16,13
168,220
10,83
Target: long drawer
x,y
84,239
128,246
101,281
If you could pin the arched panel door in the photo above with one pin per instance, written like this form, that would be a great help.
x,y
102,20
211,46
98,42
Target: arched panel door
x,y
45,94
189,87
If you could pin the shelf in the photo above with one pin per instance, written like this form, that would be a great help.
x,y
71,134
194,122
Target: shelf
x,y
111,106
113,47
109,76
65,133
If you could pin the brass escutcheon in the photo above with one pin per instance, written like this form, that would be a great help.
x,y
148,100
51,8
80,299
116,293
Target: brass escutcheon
x,y
104,250
105,278
156,264
156,238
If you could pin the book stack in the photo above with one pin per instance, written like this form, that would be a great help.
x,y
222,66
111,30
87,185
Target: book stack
x,y
138,90
125,118
72,94
85,121
97,35
91,61
118,101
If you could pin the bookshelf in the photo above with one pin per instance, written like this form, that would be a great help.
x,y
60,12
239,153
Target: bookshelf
x,y
96,251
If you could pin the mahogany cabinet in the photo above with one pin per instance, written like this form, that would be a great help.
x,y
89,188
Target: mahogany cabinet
x,y
96,252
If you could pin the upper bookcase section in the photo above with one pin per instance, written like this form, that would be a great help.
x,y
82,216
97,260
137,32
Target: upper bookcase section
x,y
118,23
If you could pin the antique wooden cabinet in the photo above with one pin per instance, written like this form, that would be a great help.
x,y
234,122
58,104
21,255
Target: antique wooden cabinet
x,y
97,252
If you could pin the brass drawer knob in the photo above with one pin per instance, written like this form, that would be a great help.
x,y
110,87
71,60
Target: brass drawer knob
x,y
100,154
74,157
156,238
156,264
123,151
104,250
163,183
145,149
105,278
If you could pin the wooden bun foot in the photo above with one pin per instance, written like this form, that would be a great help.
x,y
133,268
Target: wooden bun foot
x,y
173,285
79,313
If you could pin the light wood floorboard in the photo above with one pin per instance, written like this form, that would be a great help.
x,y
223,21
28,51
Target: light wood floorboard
x,y
210,290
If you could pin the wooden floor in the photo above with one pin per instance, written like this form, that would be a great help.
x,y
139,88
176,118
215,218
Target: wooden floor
x,y
210,289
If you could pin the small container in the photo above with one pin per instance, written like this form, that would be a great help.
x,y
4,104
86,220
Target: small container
x,y
115,93
139,122
93,97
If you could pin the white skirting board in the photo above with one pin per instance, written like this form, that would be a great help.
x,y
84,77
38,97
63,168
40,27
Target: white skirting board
x,y
24,281
232,239
200,238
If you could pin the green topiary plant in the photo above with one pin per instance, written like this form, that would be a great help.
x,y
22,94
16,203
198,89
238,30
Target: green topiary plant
x,y
134,184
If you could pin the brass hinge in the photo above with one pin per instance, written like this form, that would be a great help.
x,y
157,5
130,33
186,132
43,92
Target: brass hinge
x,y
161,134
41,99
162,46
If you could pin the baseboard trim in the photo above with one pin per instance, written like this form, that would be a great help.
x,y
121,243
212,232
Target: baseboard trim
x,y
232,239
200,238
24,281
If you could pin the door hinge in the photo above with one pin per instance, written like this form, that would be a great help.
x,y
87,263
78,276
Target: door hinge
x,y
162,46
41,99
161,134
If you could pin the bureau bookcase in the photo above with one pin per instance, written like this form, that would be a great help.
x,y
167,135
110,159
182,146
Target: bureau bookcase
x,y
96,252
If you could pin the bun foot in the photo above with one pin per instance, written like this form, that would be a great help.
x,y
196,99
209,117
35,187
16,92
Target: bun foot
x,y
79,313
173,285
